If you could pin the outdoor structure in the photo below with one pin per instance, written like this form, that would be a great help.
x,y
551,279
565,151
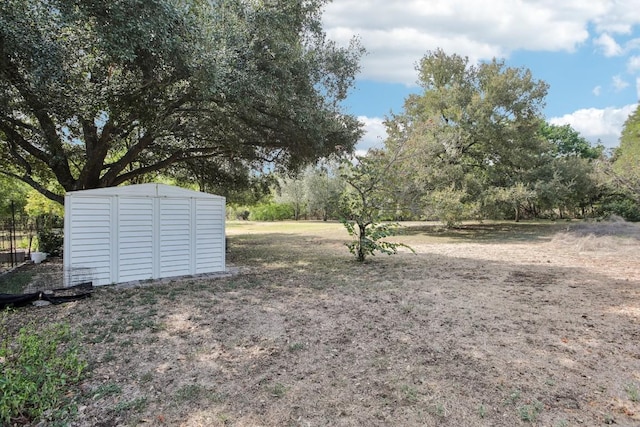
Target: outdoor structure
x,y
139,232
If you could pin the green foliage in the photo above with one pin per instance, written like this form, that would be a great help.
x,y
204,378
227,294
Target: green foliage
x,y
293,193
370,239
530,412
278,390
108,389
475,142
38,369
324,187
472,128
566,141
514,198
625,207
39,206
235,212
12,190
50,241
633,392
566,184
448,205
626,162
365,202
189,393
137,405
96,94
272,212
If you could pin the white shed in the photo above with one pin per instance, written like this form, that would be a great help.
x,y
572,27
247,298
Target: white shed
x,y
139,232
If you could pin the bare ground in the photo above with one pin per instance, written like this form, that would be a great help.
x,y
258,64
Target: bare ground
x,y
490,325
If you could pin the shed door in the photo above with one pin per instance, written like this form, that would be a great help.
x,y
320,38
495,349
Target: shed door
x,y
90,236
135,237
175,237
209,236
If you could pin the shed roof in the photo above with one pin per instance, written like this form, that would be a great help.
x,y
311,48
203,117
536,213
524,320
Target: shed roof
x,y
144,190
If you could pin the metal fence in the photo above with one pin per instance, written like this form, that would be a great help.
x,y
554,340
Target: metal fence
x,y
16,240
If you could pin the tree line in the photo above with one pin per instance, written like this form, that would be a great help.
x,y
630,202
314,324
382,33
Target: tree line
x,y
244,99
474,145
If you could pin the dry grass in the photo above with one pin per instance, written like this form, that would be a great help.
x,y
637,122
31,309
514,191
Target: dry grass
x,y
494,324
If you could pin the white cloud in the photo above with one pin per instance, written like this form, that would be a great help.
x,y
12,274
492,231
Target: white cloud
x,y
374,134
608,45
597,124
633,64
638,87
620,16
619,83
597,90
398,33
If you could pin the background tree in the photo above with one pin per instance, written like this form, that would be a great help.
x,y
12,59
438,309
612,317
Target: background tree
x,y
472,129
96,94
323,188
293,192
626,159
12,191
566,141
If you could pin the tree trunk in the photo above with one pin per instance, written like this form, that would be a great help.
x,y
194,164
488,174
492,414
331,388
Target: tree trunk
x,y
362,242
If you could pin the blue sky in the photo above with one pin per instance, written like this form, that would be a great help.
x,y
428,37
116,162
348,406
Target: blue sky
x,y
587,51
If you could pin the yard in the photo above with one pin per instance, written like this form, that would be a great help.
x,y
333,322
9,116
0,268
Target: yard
x,y
494,324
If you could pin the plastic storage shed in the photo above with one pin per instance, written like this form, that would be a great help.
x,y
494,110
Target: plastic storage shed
x,y
140,232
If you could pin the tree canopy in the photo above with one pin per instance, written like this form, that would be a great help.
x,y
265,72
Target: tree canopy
x,y
626,165
472,128
96,94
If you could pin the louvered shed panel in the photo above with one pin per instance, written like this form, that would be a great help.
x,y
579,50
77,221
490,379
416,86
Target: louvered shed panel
x,y
91,236
210,241
175,237
135,230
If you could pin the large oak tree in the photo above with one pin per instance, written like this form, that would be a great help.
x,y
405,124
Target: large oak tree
x,y
473,127
97,93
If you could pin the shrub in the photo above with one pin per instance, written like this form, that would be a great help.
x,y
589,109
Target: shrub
x,y
272,212
37,368
50,241
237,212
626,208
448,206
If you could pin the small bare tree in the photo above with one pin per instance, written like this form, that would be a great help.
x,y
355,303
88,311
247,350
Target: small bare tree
x,y
364,203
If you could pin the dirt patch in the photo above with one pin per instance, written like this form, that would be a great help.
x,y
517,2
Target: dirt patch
x,y
514,328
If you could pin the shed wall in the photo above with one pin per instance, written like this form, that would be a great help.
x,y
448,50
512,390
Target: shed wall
x,y
120,238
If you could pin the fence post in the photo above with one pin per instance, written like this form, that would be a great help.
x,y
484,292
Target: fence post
x,y
12,236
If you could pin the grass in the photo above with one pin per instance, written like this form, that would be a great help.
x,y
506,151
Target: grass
x,y
305,335
136,405
482,411
108,389
633,392
530,412
15,282
513,397
278,390
37,367
296,346
409,393
288,227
